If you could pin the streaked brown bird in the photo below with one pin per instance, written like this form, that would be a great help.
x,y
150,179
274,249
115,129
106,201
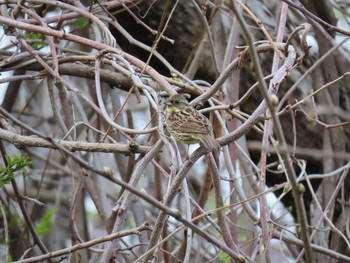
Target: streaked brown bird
x,y
188,125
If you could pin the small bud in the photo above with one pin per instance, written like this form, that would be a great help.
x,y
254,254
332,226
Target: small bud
x,y
241,258
108,171
174,75
301,188
280,168
274,100
286,188
227,3
298,231
177,213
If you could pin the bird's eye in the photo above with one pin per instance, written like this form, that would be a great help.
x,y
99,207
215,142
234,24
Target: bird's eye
x,y
176,102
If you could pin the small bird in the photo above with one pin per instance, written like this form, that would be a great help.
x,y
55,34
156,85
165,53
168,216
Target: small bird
x,y
188,125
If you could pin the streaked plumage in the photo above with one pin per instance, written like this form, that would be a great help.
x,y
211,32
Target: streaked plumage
x,y
188,125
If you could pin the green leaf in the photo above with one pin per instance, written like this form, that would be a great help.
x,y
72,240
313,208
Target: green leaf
x,y
32,35
13,165
36,36
13,224
39,45
81,22
224,258
45,223
4,257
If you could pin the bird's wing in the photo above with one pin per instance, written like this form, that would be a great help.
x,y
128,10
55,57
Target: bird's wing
x,y
192,121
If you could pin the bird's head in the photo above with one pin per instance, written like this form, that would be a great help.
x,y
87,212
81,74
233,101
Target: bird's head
x,y
176,103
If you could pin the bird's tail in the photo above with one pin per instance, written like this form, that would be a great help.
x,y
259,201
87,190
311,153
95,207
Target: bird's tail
x,y
210,143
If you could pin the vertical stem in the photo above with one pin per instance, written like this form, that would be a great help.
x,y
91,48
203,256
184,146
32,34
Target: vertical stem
x,y
219,203
265,142
297,196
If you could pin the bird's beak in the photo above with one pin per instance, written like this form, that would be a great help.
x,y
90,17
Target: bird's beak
x,y
168,104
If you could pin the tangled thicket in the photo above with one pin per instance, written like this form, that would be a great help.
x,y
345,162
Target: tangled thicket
x,y
89,172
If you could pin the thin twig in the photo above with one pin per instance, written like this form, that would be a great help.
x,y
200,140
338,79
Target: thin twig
x,y
306,12
61,252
